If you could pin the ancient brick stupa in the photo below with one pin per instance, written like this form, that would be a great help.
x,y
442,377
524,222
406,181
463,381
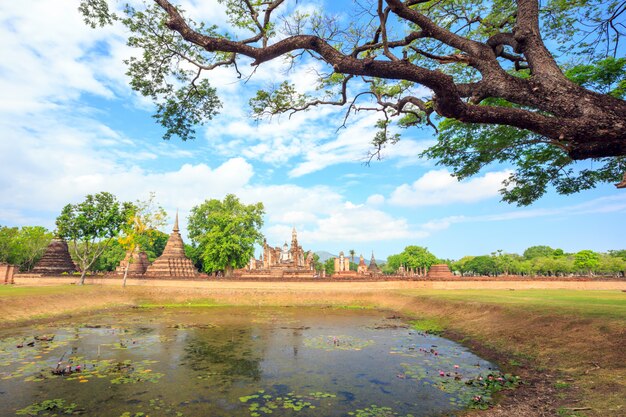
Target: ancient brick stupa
x,y
173,263
56,260
373,268
439,271
138,265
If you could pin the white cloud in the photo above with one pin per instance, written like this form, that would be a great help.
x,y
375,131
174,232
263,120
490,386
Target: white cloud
x,y
438,187
375,200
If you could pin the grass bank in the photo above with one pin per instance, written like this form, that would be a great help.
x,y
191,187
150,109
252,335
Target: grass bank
x,y
567,345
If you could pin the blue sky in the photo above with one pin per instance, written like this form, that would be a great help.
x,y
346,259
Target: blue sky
x,y
70,126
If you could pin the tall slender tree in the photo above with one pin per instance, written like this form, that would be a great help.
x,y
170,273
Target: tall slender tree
x,y
145,216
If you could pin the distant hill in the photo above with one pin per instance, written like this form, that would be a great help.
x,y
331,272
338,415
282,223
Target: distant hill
x,y
324,255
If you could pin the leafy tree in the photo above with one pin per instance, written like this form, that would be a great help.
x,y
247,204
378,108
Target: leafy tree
x,y
587,260
611,265
143,217
538,251
535,84
394,262
8,235
618,253
461,264
417,257
23,247
505,262
91,226
225,233
110,258
192,253
329,266
352,253
482,265
153,243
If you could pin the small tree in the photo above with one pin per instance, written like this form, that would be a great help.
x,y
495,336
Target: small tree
x,y
352,253
23,247
329,266
587,260
225,233
143,217
91,226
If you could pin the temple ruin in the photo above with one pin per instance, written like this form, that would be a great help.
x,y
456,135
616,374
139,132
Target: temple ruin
x,y
7,272
139,263
56,260
280,262
342,265
173,263
362,267
439,271
373,268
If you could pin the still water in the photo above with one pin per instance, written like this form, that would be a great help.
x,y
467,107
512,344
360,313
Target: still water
x,y
226,361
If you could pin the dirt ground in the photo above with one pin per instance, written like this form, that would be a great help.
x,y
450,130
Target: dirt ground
x,y
571,364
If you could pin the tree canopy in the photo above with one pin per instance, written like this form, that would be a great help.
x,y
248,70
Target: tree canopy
x,y
142,221
225,232
91,225
412,258
23,246
537,85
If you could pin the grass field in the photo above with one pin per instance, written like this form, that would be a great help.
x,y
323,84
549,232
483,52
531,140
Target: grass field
x,y
568,346
610,304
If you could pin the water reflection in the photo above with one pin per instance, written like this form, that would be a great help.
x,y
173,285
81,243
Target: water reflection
x,y
236,362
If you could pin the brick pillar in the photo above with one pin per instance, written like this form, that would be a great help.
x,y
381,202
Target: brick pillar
x,y
11,274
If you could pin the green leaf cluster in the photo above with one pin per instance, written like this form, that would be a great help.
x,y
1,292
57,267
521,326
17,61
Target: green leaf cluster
x,y
24,246
225,232
91,225
411,258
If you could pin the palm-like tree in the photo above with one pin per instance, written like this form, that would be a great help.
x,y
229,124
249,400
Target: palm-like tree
x,y
352,253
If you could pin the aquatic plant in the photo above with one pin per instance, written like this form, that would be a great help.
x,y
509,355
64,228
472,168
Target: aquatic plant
x,y
262,403
339,342
47,408
375,411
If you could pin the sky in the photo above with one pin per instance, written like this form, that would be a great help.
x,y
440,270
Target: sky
x,y
70,126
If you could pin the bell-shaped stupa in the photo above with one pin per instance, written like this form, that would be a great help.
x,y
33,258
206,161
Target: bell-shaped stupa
x,y
56,260
173,263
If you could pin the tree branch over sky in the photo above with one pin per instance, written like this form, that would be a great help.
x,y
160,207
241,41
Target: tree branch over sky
x,y
503,75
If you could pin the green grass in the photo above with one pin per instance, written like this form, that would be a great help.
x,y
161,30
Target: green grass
x,y
428,325
13,291
609,304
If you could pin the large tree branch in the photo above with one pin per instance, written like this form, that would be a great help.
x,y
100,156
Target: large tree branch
x,y
527,34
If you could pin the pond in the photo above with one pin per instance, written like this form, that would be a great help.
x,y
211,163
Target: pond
x,y
227,361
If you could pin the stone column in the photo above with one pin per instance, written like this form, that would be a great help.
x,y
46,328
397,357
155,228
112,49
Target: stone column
x,y
11,274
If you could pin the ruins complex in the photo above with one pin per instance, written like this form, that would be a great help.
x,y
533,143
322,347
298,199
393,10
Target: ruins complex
x,y
173,263
279,262
56,260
